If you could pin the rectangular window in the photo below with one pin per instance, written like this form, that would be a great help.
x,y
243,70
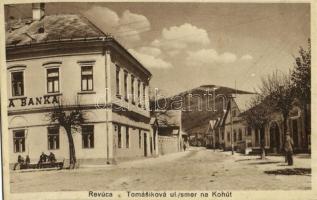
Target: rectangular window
x,y
144,95
228,136
222,135
139,92
140,139
119,137
127,137
240,134
118,81
52,80
17,83
126,85
88,137
132,88
249,130
87,78
19,141
53,138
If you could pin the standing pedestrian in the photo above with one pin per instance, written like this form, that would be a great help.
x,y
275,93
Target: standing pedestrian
x,y
288,148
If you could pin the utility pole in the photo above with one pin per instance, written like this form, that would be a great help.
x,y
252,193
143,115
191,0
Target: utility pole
x,y
231,124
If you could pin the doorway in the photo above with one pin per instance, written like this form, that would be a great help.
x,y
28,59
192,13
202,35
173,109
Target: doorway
x,y
145,144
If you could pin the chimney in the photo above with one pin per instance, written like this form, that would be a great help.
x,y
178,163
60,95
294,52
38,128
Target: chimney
x,y
38,11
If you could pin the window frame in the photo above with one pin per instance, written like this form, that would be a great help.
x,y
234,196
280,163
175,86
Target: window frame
x,y
19,138
118,85
92,78
125,84
47,78
57,145
90,133
127,137
144,96
119,142
139,92
132,88
23,85
240,136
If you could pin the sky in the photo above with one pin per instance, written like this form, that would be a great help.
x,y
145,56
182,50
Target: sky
x,y
185,45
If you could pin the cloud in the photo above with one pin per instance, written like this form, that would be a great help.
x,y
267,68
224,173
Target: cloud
x,y
103,17
149,60
180,37
209,56
128,26
246,57
150,51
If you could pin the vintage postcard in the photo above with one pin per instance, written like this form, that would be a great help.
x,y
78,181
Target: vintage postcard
x,y
157,100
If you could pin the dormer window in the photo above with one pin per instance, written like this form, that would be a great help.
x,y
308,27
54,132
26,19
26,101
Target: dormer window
x,y
17,83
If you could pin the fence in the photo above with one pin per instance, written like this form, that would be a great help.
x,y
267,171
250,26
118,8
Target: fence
x,y
168,144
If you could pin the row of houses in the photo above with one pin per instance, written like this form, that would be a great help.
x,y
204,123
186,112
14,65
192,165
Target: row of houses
x,y
66,59
232,131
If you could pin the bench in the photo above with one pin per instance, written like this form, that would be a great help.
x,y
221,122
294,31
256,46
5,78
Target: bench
x,y
58,165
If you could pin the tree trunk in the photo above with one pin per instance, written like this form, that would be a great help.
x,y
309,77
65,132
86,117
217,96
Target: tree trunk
x,y
72,153
262,139
285,128
306,116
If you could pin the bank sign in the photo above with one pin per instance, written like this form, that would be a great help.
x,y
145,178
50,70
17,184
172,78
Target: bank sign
x,y
33,101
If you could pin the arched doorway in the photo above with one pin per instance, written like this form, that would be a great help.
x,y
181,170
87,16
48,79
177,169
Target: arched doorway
x,y
274,137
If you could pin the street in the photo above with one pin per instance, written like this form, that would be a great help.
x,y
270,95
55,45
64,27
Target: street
x,y
195,169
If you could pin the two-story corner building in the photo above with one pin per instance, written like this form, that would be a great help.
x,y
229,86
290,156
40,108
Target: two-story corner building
x,y
66,59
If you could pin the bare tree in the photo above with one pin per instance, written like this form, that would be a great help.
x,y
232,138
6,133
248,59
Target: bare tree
x,y
257,116
71,119
277,90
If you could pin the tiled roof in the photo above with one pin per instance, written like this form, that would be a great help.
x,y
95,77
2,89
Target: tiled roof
x,y
51,27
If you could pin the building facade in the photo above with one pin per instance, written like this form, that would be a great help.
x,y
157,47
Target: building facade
x,y
245,139
91,69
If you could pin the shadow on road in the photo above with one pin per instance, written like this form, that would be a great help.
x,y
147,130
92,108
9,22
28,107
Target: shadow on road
x,y
264,163
293,171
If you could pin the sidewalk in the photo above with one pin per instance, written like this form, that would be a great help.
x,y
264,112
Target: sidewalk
x,y
145,161
276,164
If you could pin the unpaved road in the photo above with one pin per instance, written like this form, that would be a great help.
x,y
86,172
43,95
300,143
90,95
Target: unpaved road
x,y
195,169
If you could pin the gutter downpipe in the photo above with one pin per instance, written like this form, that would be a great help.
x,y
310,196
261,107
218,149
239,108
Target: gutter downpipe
x,y
108,98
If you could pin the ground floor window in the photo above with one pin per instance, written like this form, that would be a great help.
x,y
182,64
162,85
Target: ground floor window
x,y
19,141
240,134
88,136
53,138
127,137
119,136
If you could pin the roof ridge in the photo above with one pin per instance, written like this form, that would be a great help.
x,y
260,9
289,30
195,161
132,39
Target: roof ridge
x,y
92,24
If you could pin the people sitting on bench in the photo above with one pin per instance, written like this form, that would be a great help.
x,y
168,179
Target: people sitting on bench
x,y
43,159
19,163
27,160
51,158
